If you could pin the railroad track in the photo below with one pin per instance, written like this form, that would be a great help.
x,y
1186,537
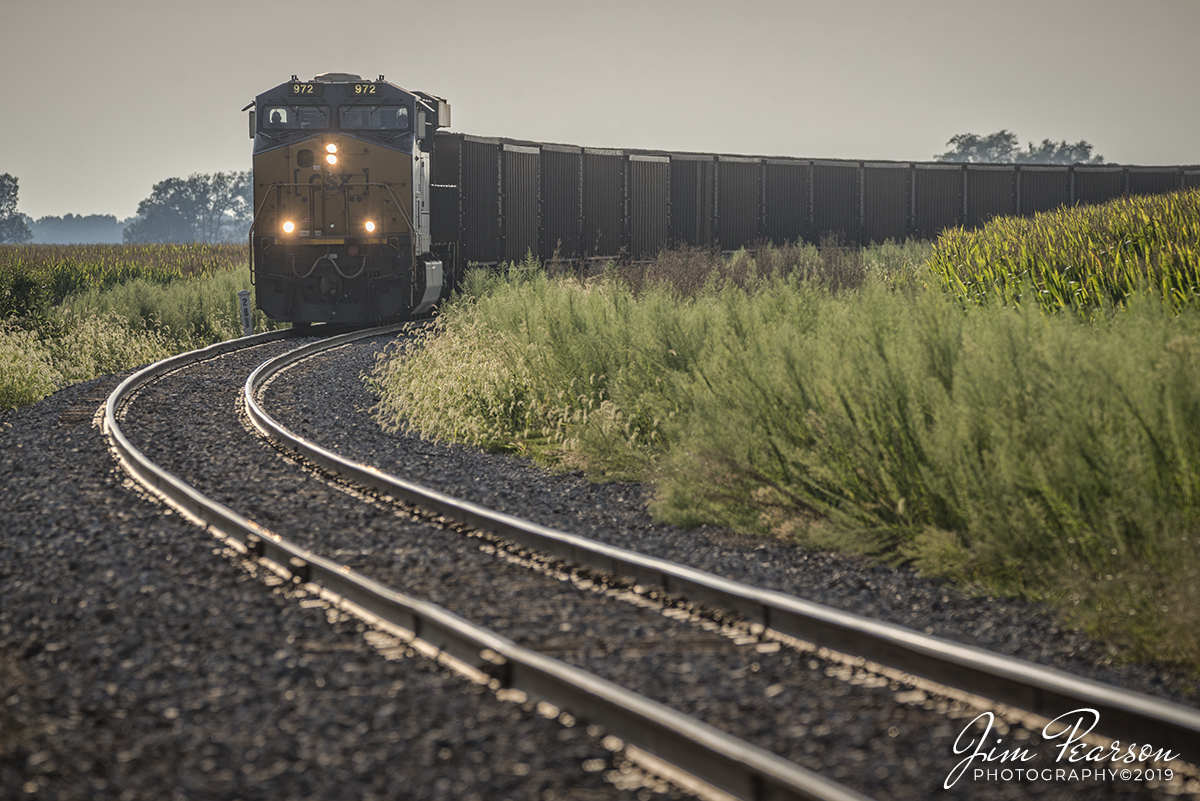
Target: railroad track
x,y
761,643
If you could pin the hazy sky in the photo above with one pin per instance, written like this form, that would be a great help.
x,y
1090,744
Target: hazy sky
x,y
104,99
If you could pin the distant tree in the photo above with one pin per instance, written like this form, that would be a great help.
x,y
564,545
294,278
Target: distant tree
x,y
993,148
1003,147
77,229
1059,153
13,227
159,222
199,208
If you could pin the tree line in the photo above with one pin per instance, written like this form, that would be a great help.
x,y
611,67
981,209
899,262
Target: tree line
x,y
1003,147
199,208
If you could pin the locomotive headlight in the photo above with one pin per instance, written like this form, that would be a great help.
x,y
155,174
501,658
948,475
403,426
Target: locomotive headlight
x,y
331,149
288,227
332,159
370,226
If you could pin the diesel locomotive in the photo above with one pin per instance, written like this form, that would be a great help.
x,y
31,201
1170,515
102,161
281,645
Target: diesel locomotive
x,y
341,178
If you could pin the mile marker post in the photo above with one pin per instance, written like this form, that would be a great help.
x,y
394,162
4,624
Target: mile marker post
x,y
244,306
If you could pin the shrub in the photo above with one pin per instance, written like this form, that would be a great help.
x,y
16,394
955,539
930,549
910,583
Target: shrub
x,y
27,371
1049,456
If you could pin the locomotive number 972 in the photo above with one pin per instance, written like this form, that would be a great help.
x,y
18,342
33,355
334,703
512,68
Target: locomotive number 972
x,y
342,199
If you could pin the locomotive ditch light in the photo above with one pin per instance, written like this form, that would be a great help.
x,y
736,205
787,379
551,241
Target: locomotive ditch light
x,y
370,226
288,227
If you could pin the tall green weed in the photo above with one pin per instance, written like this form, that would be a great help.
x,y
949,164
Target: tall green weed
x,y
1042,455
1025,454
192,313
530,363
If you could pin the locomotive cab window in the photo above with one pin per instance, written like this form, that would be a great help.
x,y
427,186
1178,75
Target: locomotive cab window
x,y
375,118
295,117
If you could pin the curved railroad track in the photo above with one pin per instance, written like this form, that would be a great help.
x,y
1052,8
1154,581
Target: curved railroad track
x,y
770,668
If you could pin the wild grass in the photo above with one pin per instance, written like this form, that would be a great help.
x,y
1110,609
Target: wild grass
x,y
1041,455
588,359
833,264
191,313
34,366
77,312
1024,454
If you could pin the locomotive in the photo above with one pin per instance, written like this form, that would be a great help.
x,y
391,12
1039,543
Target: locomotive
x,y
342,170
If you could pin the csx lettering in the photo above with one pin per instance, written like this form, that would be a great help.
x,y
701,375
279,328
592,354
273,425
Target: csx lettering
x,y
332,180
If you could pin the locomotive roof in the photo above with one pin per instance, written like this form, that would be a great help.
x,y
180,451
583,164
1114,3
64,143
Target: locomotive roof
x,y
345,87
327,78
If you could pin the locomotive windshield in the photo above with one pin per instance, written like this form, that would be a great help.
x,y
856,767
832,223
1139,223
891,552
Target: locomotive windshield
x,y
375,118
289,117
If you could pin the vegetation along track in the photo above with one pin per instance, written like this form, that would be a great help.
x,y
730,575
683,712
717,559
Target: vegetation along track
x,y
871,732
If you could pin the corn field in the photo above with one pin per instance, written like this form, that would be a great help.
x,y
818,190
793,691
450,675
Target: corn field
x,y
69,313
1081,258
36,278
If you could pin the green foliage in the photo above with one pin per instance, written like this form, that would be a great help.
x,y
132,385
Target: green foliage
x,y
199,208
1027,454
36,279
1002,147
13,227
563,347
33,366
690,271
192,313
1087,257
77,312
557,368
27,370
1043,455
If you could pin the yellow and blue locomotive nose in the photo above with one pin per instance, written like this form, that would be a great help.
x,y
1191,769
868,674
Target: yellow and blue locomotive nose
x,y
342,202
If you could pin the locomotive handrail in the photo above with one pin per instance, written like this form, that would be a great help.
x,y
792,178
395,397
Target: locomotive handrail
x,y
270,189
254,222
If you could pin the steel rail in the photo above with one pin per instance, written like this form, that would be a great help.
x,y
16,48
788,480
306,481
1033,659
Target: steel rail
x,y
1124,715
725,762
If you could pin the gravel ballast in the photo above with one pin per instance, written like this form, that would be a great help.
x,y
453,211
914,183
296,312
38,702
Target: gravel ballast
x,y
138,662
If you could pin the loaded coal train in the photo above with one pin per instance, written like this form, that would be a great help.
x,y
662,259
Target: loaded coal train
x,y
366,211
